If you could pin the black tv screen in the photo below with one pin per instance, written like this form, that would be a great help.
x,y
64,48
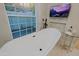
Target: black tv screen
x,y
60,10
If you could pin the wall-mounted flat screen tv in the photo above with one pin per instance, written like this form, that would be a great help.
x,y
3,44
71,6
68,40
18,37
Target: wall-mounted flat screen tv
x,y
60,10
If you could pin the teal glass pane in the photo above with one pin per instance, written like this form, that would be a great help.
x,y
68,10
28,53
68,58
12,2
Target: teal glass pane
x,y
13,20
33,29
22,20
19,10
33,24
16,34
25,10
28,21
23,32
9,8
28,30
22,26
14,28
34,20
8,4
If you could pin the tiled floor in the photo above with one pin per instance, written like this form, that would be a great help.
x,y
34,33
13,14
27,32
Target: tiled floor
x,y
58,50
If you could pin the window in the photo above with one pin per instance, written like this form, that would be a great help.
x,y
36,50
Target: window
x,y
22,21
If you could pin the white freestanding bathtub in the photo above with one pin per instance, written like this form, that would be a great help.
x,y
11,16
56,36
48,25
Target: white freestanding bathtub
x,y
35,44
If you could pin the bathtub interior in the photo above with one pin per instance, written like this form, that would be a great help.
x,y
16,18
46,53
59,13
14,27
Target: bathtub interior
x,y
38,43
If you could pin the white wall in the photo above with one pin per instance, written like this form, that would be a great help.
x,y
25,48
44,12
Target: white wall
x,y
40,14
4,27
73,19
